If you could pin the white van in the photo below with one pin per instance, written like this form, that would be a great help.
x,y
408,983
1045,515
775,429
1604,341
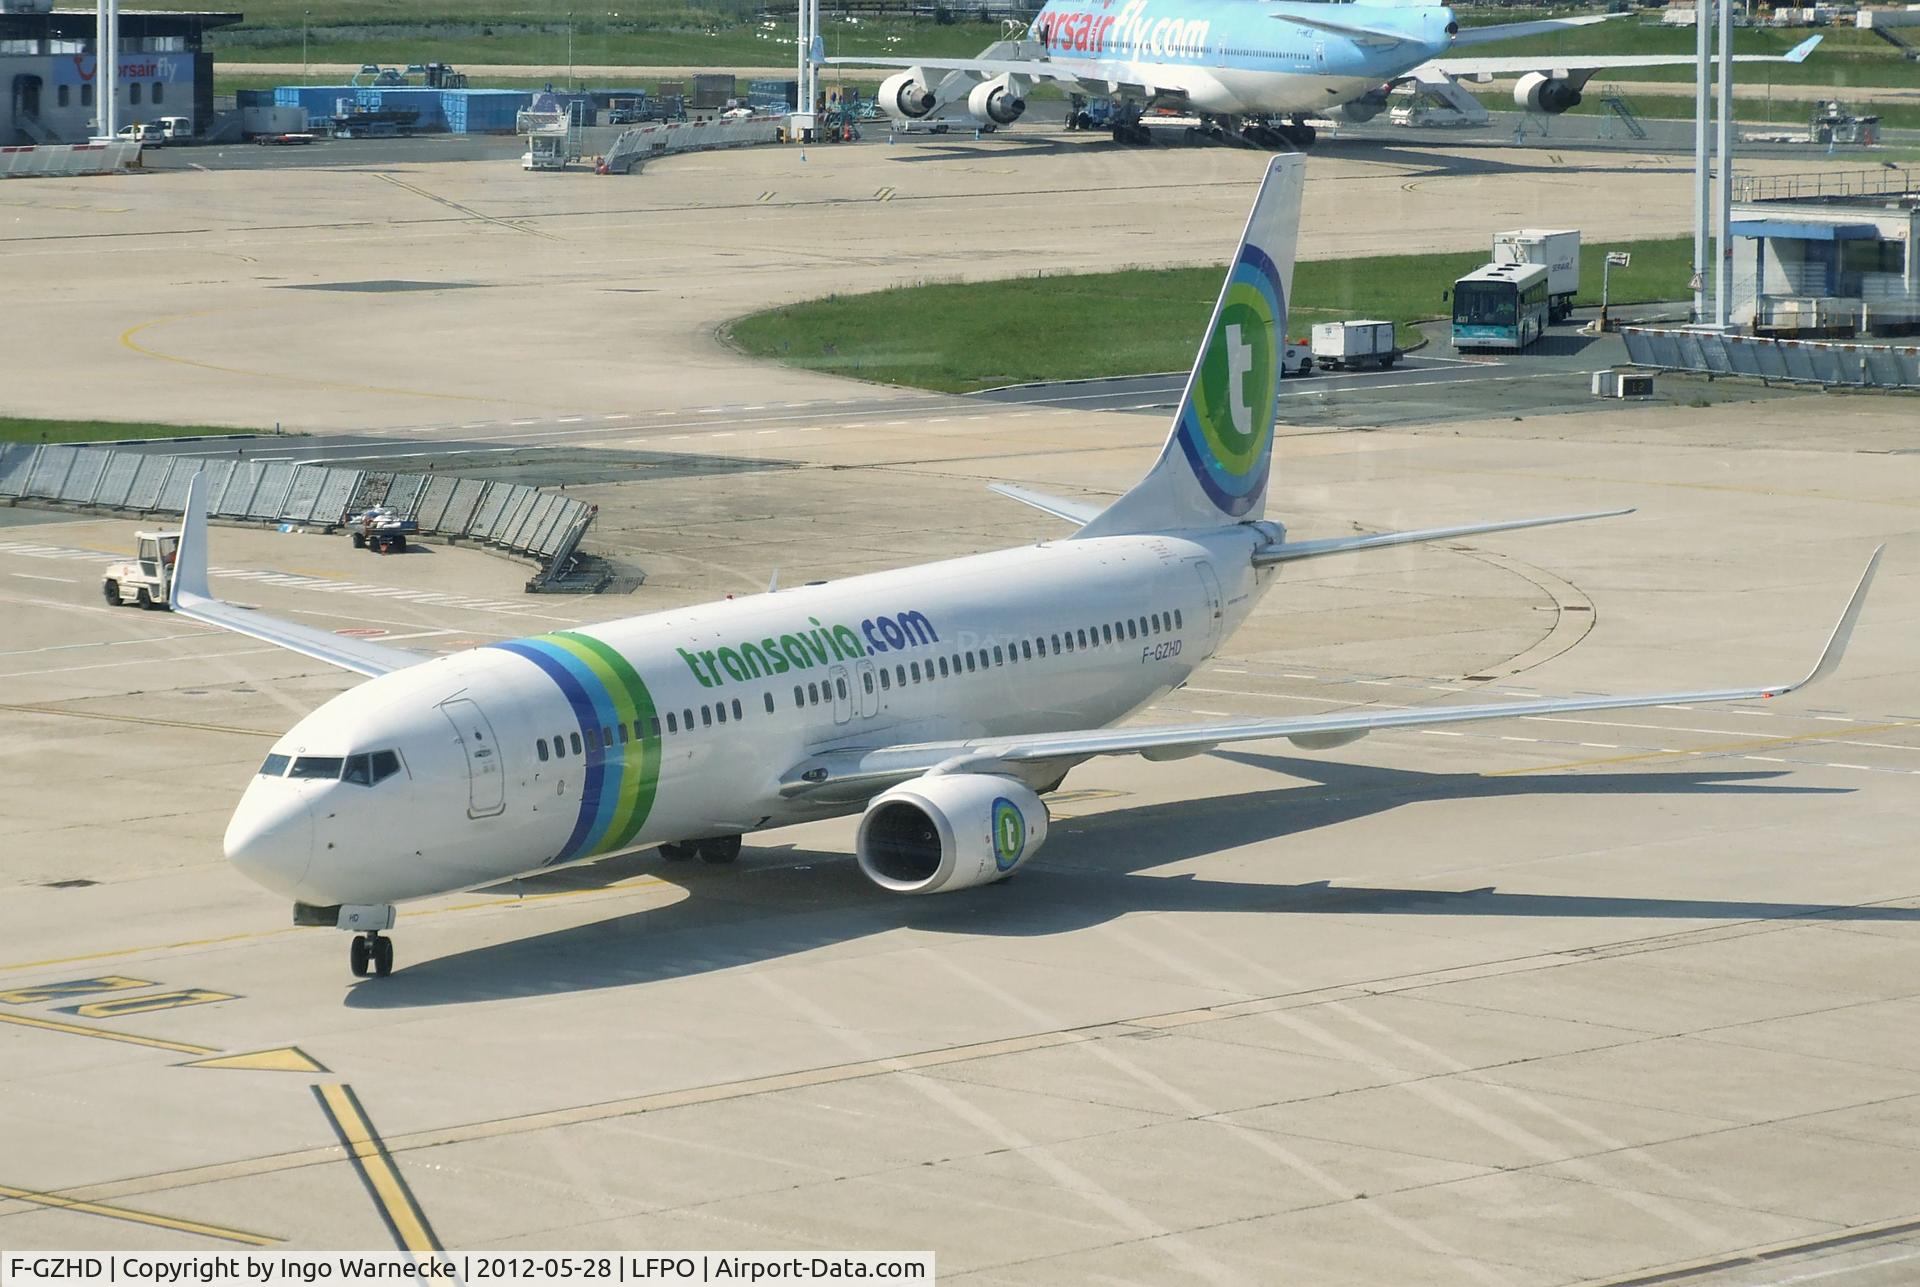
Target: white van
x,y
146,134
178,129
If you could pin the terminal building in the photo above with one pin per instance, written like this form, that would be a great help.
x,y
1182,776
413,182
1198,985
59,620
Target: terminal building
x,y
49,65
1828,254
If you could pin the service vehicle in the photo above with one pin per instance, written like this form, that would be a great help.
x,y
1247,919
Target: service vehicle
x,y
381,529
1296,358
1500,306
177,129
1558,249
145,133
145,580
1368,342
289,138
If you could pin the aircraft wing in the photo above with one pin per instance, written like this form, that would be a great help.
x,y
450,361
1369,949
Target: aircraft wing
x,y
1573,64
853,774
1114,76
193,600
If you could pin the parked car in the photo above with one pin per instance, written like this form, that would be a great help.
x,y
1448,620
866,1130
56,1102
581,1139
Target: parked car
x,y
146,134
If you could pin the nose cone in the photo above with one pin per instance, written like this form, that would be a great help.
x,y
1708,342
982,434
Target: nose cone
x,y
271,838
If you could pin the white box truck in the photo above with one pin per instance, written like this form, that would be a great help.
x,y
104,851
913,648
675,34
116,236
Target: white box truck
x,y
1558,250
1352,344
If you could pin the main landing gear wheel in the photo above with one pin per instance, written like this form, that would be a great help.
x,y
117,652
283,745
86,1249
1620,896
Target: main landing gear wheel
x,y
720,849
684,851
370,950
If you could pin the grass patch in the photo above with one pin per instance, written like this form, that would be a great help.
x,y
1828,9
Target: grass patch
x,y
1749,109
1846,56
958,337
15,429
465,41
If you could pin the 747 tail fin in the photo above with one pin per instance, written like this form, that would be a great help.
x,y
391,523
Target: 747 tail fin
x,y
1214,468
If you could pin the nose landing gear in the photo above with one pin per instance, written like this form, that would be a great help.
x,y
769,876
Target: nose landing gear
x,y
369,950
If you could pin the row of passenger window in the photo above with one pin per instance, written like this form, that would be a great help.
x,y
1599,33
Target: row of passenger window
x,y
1076,639
361,770
613,735
1067,641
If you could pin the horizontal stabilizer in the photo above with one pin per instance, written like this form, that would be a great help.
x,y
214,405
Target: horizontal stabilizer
x,y
1079,513
193,600
1347,544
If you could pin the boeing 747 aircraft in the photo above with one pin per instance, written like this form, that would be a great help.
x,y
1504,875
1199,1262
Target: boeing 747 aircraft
x,y
939,702
1252,70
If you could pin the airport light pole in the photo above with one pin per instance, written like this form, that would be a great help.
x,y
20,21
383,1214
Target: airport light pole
x,y
569,49
99,63
1702,118
306,66
110,77
1723,269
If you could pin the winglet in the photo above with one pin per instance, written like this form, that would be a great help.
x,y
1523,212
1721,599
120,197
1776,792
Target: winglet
x,y
1798,54
1842,632
190,556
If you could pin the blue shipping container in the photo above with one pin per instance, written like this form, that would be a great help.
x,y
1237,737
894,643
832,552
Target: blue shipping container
x,y
460,111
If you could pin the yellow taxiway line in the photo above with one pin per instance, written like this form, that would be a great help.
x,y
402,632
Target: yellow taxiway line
x,y
395,1201
137,1217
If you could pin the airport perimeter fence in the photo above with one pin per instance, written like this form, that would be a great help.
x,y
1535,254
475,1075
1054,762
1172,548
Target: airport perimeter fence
x,y
544,526
60,159
636,146
1827,362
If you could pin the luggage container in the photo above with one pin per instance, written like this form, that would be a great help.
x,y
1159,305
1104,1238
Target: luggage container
x,y
1369,342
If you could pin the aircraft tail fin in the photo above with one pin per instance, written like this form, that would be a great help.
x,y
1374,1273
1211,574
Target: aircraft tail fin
x,y
1214,467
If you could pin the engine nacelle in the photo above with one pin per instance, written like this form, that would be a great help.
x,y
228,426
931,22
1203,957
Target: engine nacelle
x,y
1539,92
905,95
1365,108
996,102
949,831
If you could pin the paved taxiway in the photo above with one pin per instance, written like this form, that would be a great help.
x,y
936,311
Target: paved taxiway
x,y
1552,1002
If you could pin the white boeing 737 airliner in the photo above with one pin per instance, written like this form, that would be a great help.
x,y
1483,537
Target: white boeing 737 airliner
x,y
941,701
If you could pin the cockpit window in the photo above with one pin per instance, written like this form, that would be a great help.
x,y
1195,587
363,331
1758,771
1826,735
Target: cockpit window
x,y
317,766
358,771
276,766
385,764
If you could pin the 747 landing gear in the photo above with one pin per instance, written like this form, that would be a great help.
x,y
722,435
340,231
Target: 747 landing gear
x,y
370,950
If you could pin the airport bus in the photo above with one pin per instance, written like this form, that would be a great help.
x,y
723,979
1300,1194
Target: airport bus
x,y
1500,306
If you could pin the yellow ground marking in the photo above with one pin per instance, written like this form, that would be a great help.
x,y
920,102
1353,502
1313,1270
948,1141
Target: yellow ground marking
x,y
1722,748
115,1007
78,1030
137,1217
127,340
157,947
468,211
403,1216
137,719
72,988
285,1059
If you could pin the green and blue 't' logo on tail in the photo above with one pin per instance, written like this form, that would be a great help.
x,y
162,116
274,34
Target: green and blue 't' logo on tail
x,y
1226,424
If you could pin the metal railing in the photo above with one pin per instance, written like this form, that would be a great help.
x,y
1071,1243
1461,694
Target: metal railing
x,y
544,526
1826,362
1881,181
635,146
66,159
